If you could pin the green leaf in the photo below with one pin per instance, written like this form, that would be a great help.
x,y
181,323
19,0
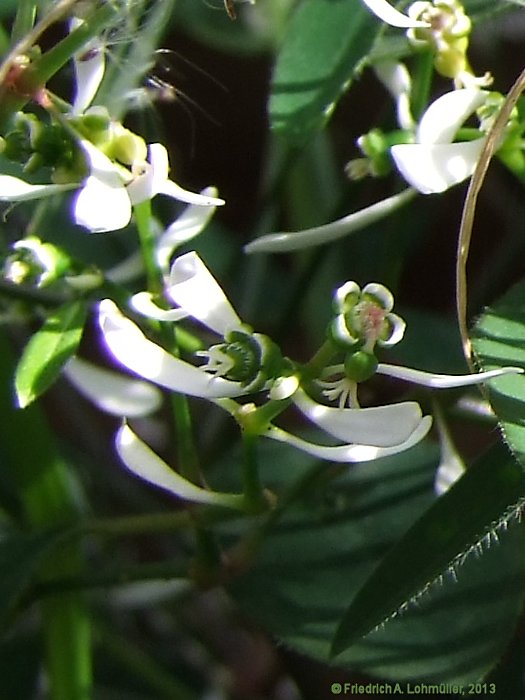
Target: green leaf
x,y
319,556
325,43
492,488
48,351
499,340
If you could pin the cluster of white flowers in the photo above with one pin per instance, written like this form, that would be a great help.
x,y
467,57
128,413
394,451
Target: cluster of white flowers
x,y
132,173
430,159
121,172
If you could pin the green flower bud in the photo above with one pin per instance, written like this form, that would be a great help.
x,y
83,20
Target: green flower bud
x,y
125,146
360,366
35,262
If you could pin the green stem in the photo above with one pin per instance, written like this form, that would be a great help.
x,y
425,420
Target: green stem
x,y
253,490
313,368
143,220
42,69
24,20
40,477
105,579
187,457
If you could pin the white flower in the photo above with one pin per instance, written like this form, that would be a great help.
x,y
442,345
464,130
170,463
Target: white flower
x,y
396,78
89,65
388,14
196,292
326,233
105,201
434,163
140,460
442,381
352,452
133,350
380,426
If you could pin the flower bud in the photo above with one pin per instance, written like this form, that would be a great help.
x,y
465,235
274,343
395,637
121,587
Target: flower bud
x,y
35,262
360,366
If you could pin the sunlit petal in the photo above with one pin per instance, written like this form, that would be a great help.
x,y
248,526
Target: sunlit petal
x,y
143,303
443,118
12,189
131,348
103,203
388,14
140,459
188,225
350,453
154,180
435,168
382,426
442,381
171,189
111,392
89,67
319,235
194,289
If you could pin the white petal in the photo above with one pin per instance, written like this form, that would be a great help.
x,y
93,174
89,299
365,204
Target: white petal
x,y
350,453
129,345
171,189
101,207
443,118
89,67
285,242
143,303
103,203
382,426
396,78
111,392
442,381
12,189
143,462
435,168
193,288
155,181
188,225
383,295
387,13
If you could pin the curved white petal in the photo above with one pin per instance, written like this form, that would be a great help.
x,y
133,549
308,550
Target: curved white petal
x,y
435,168
388,14
12,189
350,453
285,242
396,78
111,392
444,116
140,459
155,180
382,426
171,189
143,303
131,348
102,207
89,65
194,289
103,203
442,381
188,225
